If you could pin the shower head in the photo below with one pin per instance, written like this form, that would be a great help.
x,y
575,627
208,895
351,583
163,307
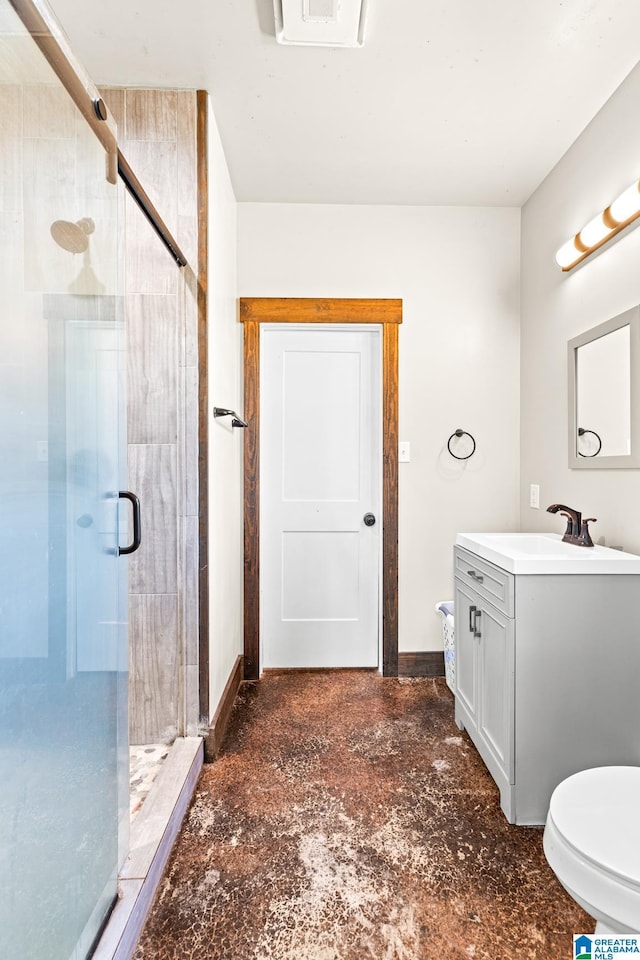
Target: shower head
x,y
73,237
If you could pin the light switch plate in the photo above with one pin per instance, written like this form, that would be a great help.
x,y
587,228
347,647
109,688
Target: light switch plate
x,y
404,451
534,495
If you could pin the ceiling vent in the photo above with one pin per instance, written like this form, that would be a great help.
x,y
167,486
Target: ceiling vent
x,y
320,23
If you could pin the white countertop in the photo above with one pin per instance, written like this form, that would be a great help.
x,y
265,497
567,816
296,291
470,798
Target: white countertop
x,y
545,553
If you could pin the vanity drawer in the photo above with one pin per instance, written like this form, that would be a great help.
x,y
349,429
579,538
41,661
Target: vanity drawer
x,y
490,582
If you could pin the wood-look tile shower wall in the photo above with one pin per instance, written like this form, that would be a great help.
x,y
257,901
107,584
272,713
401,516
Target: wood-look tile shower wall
x,y
157,135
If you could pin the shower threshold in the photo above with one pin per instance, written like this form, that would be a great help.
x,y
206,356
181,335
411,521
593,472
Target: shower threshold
x,y
154,827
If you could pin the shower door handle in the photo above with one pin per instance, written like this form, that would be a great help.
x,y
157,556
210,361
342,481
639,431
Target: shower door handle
x,y
135,503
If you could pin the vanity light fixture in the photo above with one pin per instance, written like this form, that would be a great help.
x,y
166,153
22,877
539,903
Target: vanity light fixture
x,y
623,211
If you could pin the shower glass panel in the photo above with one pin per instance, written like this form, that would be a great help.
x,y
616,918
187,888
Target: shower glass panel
x,y
63,656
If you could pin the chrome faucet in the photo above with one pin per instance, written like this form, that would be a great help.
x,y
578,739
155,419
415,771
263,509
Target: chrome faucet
x,y
577,531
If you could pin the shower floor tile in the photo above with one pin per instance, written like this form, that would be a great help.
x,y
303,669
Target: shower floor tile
x,y
145,761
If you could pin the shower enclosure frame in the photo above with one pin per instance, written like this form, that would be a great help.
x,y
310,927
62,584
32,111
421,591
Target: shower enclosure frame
x,y
53,44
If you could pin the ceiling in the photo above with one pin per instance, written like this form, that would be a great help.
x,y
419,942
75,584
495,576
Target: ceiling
x,y
449,101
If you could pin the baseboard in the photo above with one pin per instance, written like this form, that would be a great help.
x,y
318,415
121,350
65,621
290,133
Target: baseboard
x,y
421,663
218,726
277,671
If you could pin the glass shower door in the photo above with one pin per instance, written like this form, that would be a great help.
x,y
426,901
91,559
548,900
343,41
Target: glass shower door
x,y
63,653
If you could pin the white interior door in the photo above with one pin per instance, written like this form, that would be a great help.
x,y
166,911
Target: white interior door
x,y
320,451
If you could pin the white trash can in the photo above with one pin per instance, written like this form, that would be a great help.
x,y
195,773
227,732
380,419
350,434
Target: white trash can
x,y
445,609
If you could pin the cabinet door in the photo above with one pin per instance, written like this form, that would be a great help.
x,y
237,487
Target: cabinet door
x,y
466,605
495,698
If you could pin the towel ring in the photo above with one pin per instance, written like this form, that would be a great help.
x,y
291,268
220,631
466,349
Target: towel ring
x,y
461,433
581,433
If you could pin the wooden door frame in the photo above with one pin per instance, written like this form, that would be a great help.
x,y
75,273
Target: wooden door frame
x,y
253,312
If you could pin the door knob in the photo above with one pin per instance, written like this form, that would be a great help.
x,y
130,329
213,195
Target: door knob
x,y
369,519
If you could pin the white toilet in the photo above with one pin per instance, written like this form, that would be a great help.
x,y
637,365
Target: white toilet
x,y
592,843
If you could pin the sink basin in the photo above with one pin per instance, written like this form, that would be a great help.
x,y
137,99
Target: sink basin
x,y
545,553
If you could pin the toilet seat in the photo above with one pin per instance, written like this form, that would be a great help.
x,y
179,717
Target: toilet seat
x,y
598,812
592,842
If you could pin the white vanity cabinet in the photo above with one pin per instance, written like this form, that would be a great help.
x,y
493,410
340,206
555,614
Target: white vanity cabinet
x,y
547,663
484,632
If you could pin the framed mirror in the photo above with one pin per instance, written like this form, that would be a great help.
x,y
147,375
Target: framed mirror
x,y
604,391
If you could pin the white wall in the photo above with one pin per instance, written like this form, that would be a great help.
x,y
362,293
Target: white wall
x,y
225,444
556,307
457,271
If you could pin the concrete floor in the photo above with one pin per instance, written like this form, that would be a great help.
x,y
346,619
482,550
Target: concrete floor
x,y
348,818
